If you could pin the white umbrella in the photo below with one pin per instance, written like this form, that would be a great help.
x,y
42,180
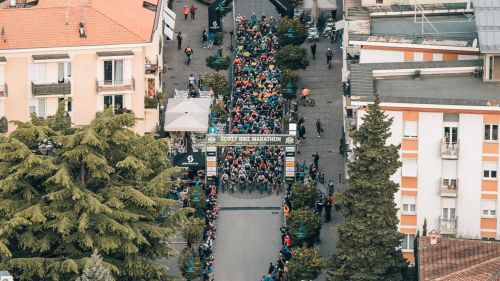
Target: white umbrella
x,y
314,10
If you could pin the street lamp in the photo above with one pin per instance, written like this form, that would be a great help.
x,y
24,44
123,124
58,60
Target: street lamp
x,y
291,33
289,90
190,265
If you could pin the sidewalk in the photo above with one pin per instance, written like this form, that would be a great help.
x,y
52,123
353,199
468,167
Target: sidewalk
x,y
177,71
325,86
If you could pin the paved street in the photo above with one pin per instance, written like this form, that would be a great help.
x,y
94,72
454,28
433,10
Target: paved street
x,y
248,226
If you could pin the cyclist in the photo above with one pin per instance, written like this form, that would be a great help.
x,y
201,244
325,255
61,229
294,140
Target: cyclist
x,y
188,51
191,80
305,93
329,56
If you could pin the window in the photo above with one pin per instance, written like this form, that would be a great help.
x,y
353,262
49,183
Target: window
x,y
409,204
488,208
115,101
113,72
410,129
63,71
448,214
490,132
409,168
68,106
450,183
451,134
490,170
408,241
379,2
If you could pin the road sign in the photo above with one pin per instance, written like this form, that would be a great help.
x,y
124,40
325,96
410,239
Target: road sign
x,y
212,130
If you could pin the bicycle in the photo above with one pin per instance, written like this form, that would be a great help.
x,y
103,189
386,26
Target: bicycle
x,y
306,101
188,59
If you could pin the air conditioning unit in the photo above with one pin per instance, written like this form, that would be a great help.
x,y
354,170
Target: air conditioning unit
x,y
5,276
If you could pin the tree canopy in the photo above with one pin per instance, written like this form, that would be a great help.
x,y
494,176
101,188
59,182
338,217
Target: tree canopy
x,y
291,31
101,189
369,242
292,57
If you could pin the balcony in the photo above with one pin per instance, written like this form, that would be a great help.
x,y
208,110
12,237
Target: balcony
x,y
449,150
150,68
123,86
47,89
448,187
448,226
4,91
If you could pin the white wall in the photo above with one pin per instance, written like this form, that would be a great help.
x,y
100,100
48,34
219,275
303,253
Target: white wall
x,y
430,127
408,2
470,134
374,56
467,57
2,109
52,72
2,75
51,105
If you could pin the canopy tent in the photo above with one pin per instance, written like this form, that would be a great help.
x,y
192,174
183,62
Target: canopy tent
x,y
187,115
321,4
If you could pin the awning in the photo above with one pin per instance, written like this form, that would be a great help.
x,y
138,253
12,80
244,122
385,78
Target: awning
x,y
322,4
187,115
115,54
193,159
51,57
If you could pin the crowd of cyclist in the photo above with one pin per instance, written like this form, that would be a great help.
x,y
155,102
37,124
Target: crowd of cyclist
x,y
257,104
253,168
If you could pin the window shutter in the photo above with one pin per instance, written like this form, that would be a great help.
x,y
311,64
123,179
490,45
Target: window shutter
x,y
409,168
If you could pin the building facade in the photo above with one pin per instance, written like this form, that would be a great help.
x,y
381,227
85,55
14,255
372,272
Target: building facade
x,y
90,55
446,114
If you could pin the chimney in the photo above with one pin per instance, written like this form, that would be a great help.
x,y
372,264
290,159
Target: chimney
x,y
82,29
434,235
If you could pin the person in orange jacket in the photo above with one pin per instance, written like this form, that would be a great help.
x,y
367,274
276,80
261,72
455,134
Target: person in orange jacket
x,y
185,11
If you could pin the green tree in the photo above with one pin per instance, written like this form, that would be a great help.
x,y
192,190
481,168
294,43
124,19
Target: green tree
x,y
424,228
292,57
291,31
369,242
102,191
305,226
303,196
61,122
189,265
4,125
415,255
95,270
218,63
192,229
306,264
217,82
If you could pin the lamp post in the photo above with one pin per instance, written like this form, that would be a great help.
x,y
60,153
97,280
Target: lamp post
x,y
291,34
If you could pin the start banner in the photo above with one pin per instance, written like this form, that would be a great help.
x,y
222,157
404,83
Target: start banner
x,y
250,140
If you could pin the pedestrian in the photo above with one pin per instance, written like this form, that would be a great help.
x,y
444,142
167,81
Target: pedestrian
x,y
219,51
192,10
211,39
185,11
204,37
328,208
319,207
302,131
319,128
288,241
200,82
179,41
313,50
271,268
316,159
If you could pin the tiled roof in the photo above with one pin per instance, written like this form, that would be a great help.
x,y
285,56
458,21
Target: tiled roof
x,y
458,259
107,22
488,24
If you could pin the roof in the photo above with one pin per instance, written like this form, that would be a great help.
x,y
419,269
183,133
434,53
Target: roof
x,y
362,76
488,24
107,22
187,115
456,27
458,259
429,89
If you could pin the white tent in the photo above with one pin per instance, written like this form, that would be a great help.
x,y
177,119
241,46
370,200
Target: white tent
x,y
322,4
187,115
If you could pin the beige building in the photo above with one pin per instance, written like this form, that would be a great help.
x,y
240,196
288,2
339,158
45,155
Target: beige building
x,y
93,54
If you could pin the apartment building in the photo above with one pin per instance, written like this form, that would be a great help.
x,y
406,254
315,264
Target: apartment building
x,y
446,116
407,2
91,54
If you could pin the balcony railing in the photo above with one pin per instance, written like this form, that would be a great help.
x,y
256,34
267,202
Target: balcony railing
x,y
116,86
46,89
448,226
150,68
4,91
449,150
448,188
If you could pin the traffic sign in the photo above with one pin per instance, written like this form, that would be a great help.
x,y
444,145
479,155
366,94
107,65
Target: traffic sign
x,y
212,130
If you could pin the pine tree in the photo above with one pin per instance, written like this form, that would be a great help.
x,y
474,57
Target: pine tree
x,y
95,270
369,242
424,228
103,190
